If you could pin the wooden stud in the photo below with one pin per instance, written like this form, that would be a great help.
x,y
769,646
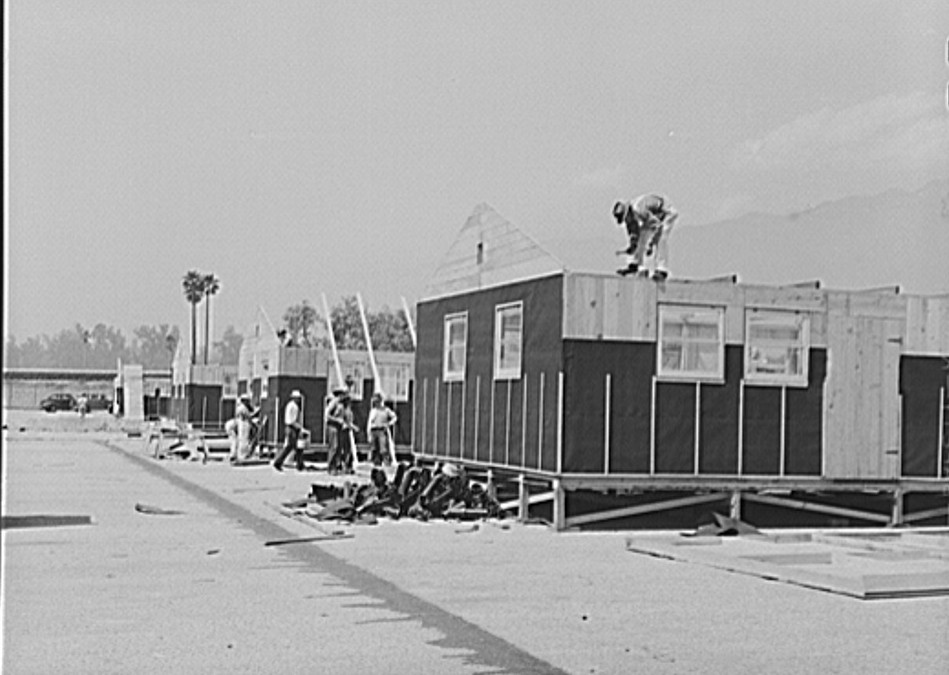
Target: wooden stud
x,y
734,506
494,385
524,422
606,424
942,432
464,390
782,446
560,506
560,422
448,389
896,514
698,426
741,425
435,419
652,428
477,424
540,424
523,498
507,426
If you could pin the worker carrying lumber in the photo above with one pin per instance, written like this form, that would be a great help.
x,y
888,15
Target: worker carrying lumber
x,y
379,431
648,220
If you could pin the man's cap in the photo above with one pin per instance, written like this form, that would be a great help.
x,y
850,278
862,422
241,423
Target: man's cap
x,y
619,210
296,394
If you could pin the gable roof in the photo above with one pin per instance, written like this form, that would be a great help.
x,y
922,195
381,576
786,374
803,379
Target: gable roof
x,y
489,250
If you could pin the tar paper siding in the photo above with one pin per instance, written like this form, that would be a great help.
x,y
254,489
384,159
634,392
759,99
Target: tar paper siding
x,y
923,381
504,422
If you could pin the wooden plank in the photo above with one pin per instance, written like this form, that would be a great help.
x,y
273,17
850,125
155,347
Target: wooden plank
x,y
927,327
893,330
640,509
817,508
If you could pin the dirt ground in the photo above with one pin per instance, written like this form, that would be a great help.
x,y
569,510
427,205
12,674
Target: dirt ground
x,y
199,592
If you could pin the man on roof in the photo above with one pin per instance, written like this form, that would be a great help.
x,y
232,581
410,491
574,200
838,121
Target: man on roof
x,y
648,220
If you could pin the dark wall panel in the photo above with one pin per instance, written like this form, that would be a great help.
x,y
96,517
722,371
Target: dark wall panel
x,y
631,366
803,427
675,427
543,309
761,448
921,378
718,418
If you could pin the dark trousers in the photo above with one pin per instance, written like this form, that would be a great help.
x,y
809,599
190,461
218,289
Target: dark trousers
x,y
379,445
291,436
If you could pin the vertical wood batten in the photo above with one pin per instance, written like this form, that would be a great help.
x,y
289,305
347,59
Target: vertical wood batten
x,y
560,422
540,424
606,423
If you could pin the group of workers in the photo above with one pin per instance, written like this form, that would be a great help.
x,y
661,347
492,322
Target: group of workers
x,y
341,432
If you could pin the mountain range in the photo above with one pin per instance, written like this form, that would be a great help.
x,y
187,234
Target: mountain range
x,y
894,238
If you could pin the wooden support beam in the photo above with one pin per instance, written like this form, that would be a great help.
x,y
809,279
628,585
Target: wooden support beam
x,y
926,515
540,498
640,509
560,507
896,514
734,506
523,498
817,508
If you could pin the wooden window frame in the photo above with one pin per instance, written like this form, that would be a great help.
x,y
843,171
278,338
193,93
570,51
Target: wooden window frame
x,y
803,344
511,372
459,374
668,375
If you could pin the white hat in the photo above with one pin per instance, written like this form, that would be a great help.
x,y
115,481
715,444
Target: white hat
x,y
296,394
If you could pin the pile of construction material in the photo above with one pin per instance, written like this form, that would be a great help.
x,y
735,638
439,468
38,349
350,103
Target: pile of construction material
x,y
417,492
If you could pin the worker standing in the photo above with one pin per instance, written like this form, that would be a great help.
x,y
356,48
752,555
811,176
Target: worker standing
x,y
648,220
378,431
292,426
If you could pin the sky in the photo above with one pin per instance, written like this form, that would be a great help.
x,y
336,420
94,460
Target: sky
x,y
295,148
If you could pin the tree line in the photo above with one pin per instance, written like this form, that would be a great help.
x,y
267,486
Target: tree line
x,y
102,346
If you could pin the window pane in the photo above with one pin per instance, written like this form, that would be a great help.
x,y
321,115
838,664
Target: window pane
x,y
702,331
508,346
672,356
702,358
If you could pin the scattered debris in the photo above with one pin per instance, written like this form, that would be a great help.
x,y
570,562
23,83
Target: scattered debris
x,y
18,522
723,527
304,540
414,492
156,510
214,551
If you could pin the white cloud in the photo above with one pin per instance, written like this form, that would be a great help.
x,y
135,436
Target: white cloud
x,y
908,130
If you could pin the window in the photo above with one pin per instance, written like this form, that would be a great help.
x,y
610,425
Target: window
x,y
456,343
508,329
776,347
692,344
394,380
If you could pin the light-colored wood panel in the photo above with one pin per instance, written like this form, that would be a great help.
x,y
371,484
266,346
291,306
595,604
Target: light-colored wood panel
x,y
784,297
890,402
927,325
882,305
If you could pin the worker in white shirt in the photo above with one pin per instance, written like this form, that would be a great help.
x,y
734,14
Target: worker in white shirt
x,y
648,220
379,431
292,422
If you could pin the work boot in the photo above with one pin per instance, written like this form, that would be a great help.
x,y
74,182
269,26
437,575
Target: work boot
x,y
660,275
632,268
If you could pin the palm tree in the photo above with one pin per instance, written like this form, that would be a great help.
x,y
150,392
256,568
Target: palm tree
x,y
193,284
211,285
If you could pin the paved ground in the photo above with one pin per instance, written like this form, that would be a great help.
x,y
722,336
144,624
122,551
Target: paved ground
x,y
199,591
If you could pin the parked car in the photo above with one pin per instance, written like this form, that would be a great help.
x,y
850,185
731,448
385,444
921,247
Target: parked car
x,y
55,402
99,402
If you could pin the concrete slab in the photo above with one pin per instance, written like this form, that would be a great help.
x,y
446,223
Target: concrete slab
x,y
202,593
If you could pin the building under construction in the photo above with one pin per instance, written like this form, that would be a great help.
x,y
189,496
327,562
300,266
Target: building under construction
x,y
269,371
626,402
